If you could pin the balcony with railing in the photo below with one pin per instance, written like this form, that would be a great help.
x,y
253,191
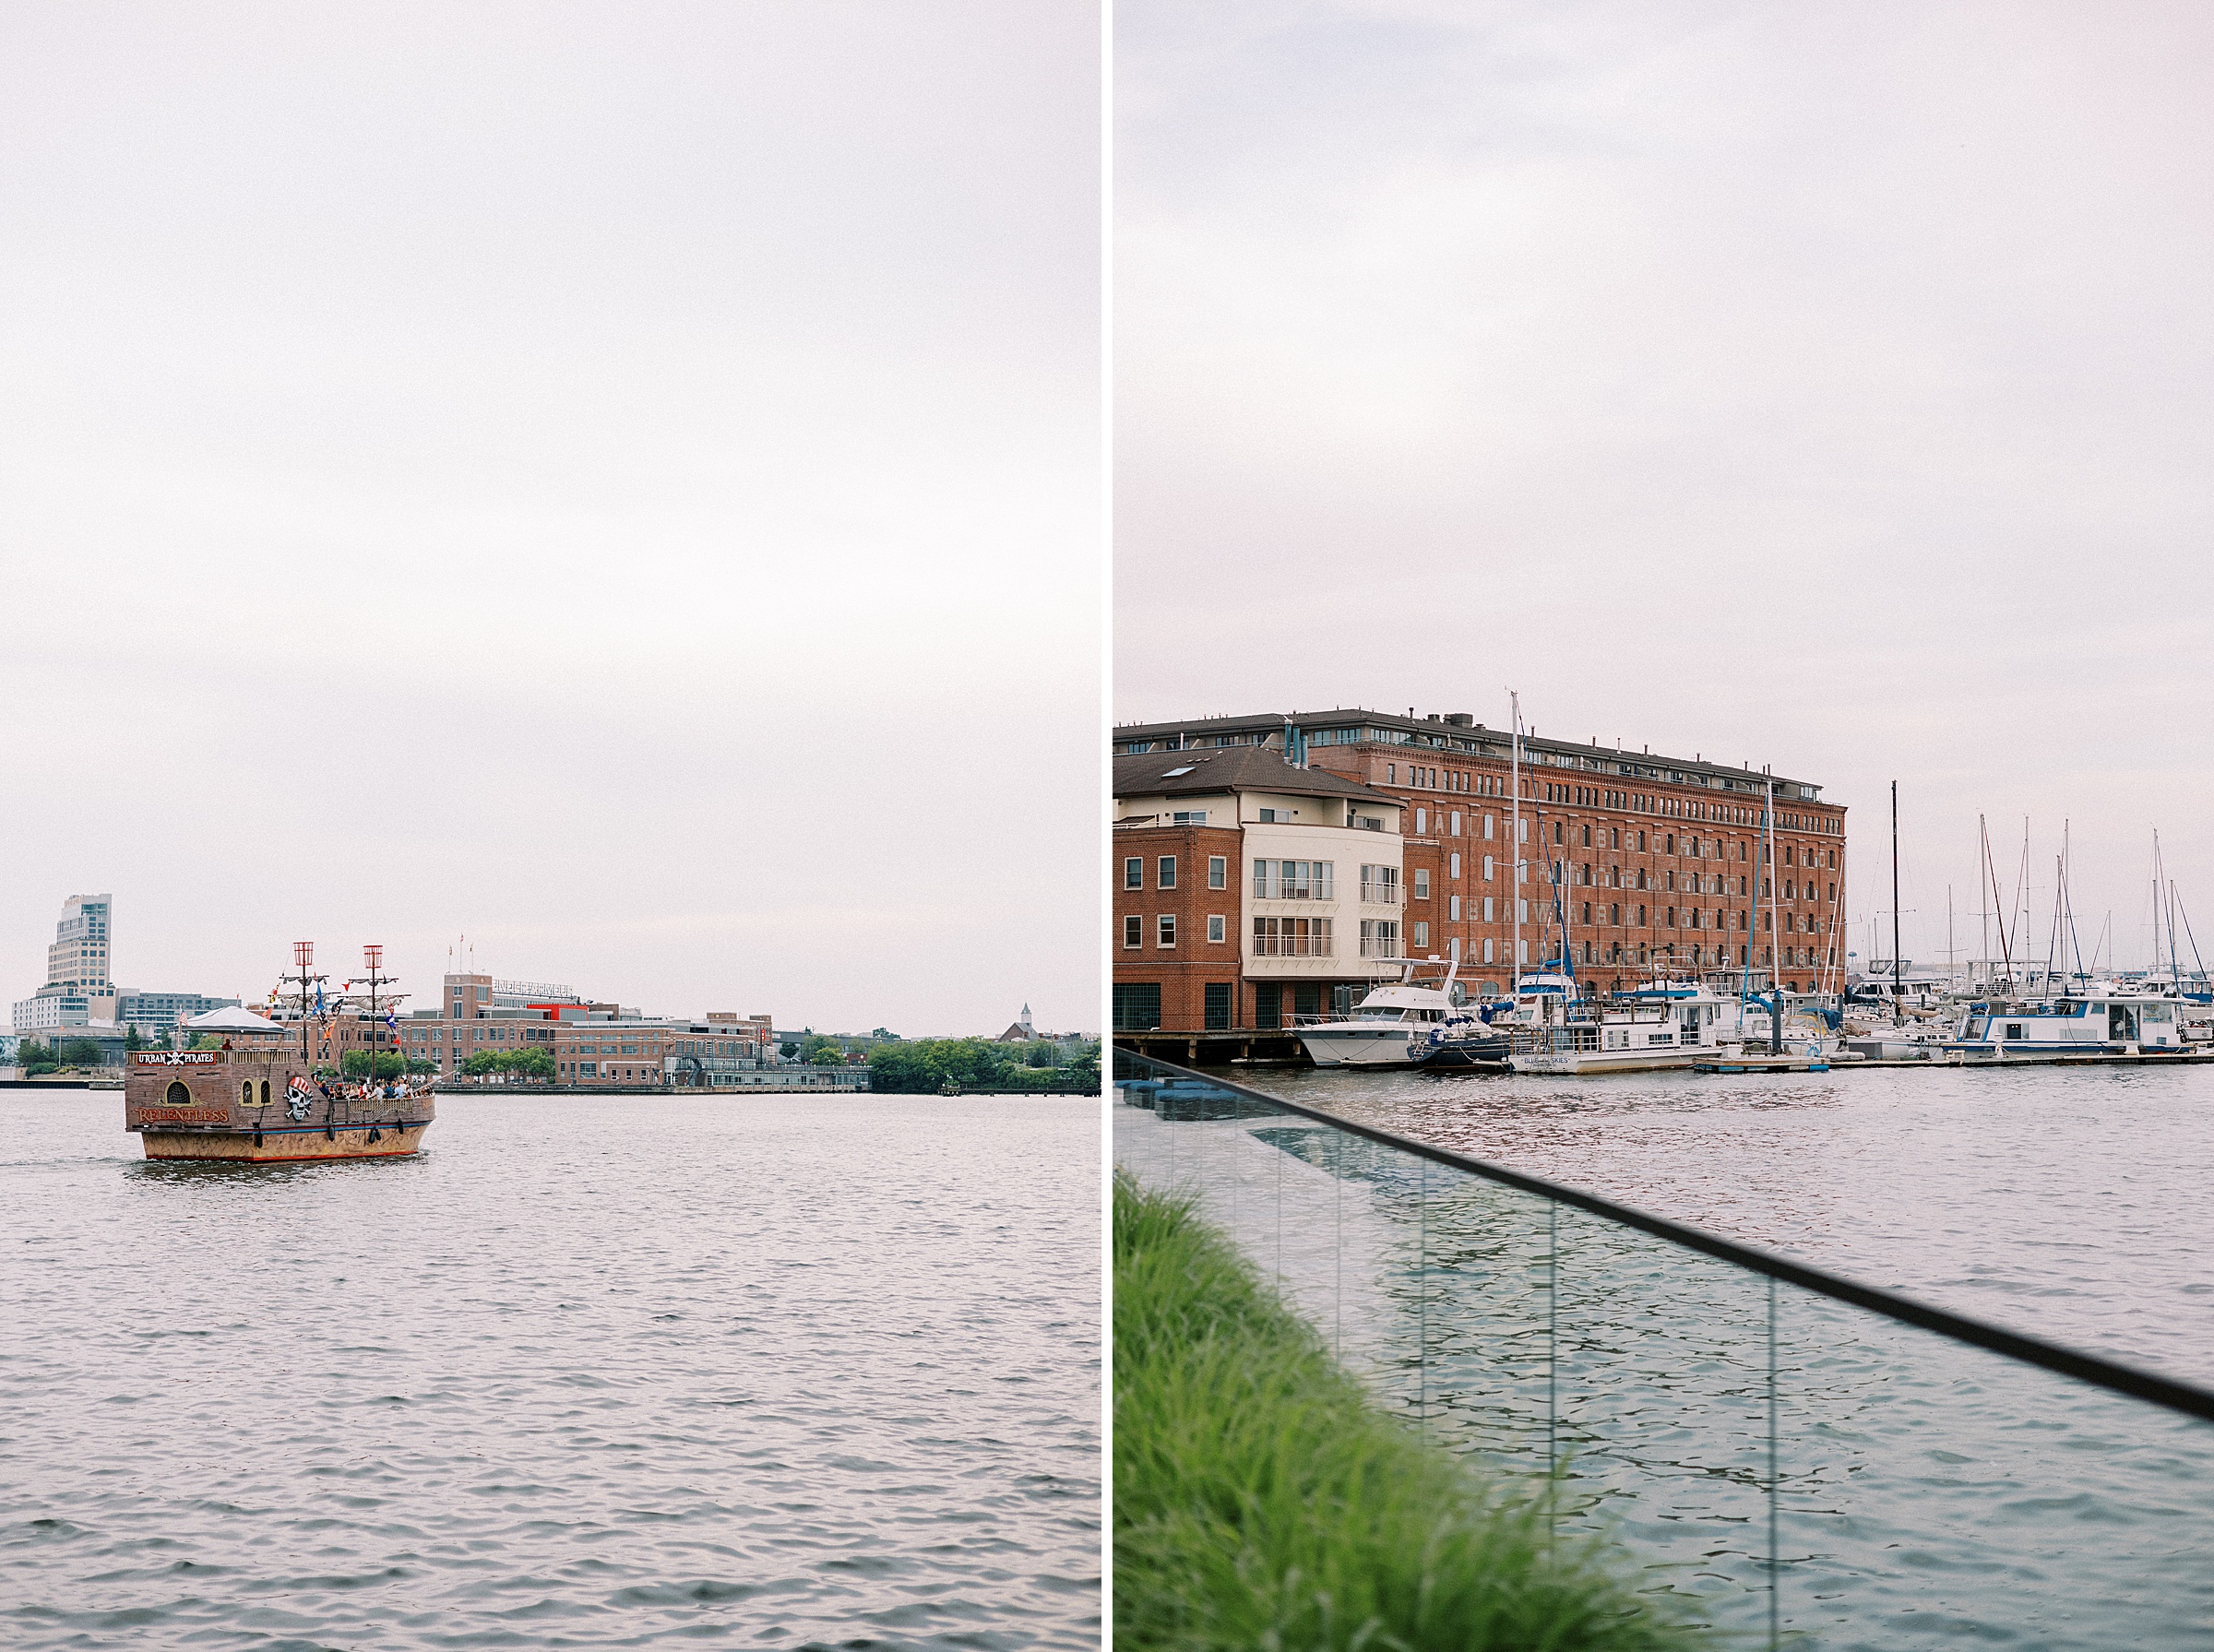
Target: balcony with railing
x,y
1292,938
1809,1460
1382,892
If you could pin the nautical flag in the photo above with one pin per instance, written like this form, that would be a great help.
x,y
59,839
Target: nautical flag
x,y
390,1020
318,999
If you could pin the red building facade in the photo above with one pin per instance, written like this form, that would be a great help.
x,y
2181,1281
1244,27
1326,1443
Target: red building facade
x,y
1645,863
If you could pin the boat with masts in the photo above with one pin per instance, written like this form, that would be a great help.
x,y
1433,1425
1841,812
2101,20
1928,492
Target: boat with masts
x,y
257,1100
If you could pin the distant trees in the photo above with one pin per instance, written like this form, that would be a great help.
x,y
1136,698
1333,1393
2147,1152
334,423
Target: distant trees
x,y
364,1064
37,1059
820,1051
922,1066
512,1064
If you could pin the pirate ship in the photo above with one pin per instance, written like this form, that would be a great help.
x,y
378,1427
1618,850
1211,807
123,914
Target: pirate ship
x,y
257,1099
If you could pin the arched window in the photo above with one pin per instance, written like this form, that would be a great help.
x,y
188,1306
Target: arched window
x,y
245,1093
176,1095
264,1092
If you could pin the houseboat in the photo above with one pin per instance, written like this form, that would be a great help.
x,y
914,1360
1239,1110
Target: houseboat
x,y
2097,1020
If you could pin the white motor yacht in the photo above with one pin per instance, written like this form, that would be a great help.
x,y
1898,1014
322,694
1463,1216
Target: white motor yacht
x,y
1386,1026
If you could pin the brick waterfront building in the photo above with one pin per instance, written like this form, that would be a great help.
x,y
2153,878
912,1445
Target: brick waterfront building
x,y
1659,862
1247,890
592,1044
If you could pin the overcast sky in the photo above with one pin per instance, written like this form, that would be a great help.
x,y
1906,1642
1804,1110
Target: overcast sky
x,y
1824,385
617,480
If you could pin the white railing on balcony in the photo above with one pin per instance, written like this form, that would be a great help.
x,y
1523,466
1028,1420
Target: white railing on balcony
x,y
1292,938
1382,894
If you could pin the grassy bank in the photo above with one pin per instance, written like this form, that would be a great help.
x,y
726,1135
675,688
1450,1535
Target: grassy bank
x,y
1260,1501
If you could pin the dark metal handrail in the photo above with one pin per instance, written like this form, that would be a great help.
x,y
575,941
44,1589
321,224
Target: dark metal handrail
x,y
2185,1398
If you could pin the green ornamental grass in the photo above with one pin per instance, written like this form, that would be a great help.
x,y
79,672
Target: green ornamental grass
x,y
1262,1501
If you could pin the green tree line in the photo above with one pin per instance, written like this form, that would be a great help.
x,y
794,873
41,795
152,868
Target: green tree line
x,y
922,1066
37,1059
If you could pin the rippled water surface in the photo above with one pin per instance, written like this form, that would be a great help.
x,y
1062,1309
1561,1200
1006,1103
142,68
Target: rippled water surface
x,y
2071,1205
784,1370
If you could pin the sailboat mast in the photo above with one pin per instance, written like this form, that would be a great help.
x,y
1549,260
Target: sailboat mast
x,y
2005,952
1899,969
1775,923
1982,854
1513,847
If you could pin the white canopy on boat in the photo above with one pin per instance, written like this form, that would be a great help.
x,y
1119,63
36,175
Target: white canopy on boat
x,y
230,1019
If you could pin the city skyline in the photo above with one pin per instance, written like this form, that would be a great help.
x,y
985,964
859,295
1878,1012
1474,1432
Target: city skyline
x,y
421,989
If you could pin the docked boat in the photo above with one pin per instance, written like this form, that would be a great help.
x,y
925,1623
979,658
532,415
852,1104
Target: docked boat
x,y
2097,1020
1387,1028
1466,1043
1622,1039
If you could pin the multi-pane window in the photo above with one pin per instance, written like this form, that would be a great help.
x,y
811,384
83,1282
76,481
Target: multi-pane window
x,y
1165,872
1218,871
1133,873
1294,880
1421,883
1136,1006
1188,817
1133,930
1422,934
1379,938
1216,927
1165,930
1217,1005
1380,884
1292,938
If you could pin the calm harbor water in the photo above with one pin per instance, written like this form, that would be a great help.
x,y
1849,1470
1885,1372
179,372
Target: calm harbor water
x,y
787,1371
2070,1204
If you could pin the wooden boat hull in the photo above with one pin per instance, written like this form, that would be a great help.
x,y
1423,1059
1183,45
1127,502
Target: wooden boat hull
x,y
287,1147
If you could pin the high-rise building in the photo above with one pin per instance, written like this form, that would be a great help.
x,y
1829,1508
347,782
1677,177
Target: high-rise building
x,y
80,990
77,961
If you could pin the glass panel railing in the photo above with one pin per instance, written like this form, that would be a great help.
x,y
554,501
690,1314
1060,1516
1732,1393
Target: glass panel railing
x,y
1814,1461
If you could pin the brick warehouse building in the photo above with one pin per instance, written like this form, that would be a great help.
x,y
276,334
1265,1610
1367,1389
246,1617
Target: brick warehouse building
x,y
1658,857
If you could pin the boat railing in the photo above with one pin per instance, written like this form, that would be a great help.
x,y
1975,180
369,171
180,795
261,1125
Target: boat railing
x,y
1800,1455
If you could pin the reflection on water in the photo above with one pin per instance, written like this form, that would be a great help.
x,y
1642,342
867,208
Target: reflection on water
x,y
786,1369
1892,1487
2067,1204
